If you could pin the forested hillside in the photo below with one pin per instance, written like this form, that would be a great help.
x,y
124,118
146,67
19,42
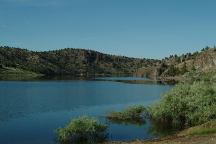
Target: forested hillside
x,y
81,62
69,61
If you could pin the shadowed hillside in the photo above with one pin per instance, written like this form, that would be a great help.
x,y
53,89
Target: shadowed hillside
x,y
69,61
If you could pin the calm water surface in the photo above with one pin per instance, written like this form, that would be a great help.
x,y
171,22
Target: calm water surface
x,y
31,111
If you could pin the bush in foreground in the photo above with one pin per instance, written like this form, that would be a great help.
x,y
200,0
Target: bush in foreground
x,y
187,105
84,130
132,114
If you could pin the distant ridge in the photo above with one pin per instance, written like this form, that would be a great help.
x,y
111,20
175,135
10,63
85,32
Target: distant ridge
x,y
70,61
82,62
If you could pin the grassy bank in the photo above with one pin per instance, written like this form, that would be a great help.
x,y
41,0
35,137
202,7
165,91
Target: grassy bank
x,y
9,73
203,129
187,105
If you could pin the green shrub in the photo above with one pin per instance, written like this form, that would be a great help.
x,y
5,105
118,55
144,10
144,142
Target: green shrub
x,y
84,130
172,71
132,114
187,105
194,76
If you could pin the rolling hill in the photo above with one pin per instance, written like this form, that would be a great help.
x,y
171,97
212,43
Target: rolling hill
x,y
70,61
82,62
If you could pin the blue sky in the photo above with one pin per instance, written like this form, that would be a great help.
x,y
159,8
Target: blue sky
x,y
135,28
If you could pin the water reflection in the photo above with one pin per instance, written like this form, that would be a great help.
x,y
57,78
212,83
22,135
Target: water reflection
x,y
162,129
139,122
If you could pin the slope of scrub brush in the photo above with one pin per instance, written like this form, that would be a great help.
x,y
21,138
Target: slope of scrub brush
x,y
189,103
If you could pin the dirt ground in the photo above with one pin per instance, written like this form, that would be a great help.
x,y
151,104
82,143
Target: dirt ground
x,y
207,139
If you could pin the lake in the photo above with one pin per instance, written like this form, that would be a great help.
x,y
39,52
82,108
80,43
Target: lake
x,y
31,111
